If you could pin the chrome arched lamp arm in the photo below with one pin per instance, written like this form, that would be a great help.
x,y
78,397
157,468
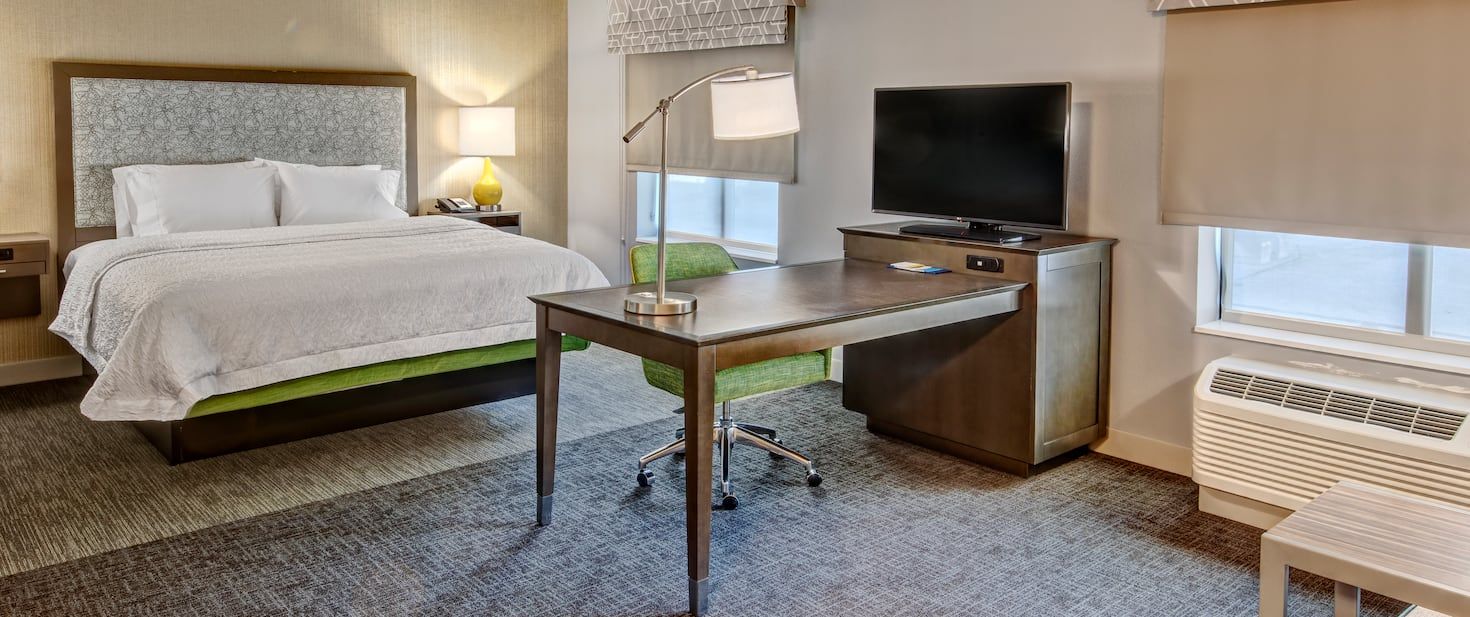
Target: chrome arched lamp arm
x,y
662,301
664,104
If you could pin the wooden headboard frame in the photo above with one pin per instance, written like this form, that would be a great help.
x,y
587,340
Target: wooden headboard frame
x,y
69,236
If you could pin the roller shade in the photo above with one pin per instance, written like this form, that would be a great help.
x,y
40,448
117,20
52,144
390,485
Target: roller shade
x,y
654,26
1347,118
1176,5
692,148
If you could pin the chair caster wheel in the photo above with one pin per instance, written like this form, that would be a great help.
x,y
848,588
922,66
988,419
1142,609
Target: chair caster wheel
x,y
773,455
729,502
645,478
813,479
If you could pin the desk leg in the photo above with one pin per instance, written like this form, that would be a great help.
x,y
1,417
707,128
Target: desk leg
x,y
548,379
1346,600
1275,580
699,415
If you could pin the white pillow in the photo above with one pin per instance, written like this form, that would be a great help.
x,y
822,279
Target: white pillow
x,y
321,195
122,200
173,200
283,164
299,165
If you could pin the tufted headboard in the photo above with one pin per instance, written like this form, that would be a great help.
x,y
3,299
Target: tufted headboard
x,y
111,115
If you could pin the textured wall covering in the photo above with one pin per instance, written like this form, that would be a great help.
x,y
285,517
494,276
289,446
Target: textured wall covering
x,y
116,122
464,52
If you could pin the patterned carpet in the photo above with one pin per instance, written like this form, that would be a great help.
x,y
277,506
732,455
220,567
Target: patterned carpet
x,y
70,487
895,530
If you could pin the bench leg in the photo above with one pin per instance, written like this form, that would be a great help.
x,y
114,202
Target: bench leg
x,y
1275,578
1346,600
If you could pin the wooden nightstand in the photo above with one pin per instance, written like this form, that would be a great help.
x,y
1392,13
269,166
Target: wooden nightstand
x,y
23,260
508,221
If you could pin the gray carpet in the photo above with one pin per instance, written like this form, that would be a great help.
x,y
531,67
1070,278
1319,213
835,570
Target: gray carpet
x,y
70,487
895,530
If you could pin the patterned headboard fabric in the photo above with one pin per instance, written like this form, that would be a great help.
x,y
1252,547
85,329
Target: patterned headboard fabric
x,y
114,115
117,122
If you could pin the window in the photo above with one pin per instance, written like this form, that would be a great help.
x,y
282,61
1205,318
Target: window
x,y
739,214
1377,292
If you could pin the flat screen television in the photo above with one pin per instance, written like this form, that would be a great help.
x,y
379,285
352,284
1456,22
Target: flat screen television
x,y
986,155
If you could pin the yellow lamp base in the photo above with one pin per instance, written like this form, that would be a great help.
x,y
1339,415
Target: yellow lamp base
x,y
488,191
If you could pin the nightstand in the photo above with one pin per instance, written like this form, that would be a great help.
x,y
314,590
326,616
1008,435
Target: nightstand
x,y
508,221
23,260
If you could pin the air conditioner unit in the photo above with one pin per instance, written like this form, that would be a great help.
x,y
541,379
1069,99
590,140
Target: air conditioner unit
x,y
1280,434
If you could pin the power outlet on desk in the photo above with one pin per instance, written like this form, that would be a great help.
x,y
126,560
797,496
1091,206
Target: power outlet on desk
x,y
7,254
985,264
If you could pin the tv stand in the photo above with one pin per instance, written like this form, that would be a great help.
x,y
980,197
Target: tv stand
x,y
1018,392
978,232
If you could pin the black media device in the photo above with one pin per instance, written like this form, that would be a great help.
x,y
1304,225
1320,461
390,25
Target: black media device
x,y
986,155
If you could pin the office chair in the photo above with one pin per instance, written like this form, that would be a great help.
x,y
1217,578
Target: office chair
x,y
698,259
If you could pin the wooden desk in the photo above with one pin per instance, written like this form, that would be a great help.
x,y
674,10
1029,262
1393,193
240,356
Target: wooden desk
x,y
742,318
1365,537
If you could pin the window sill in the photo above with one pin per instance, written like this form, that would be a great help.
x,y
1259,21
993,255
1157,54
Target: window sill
x,y
1447,363
737,251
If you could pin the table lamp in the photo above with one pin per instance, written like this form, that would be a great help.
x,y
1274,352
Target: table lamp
x,y
487,132
749,106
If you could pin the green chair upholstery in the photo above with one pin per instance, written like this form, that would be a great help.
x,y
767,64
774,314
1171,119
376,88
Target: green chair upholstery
x,y
700,259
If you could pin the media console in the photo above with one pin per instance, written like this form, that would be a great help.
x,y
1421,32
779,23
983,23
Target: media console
x,y
1015,392
979,232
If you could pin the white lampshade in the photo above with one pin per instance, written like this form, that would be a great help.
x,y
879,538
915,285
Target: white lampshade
x,y
758,108
487,131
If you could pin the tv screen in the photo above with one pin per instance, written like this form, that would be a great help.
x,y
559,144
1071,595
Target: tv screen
x,y
988,154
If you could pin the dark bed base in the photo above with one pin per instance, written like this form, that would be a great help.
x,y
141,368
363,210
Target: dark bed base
x,y
192,439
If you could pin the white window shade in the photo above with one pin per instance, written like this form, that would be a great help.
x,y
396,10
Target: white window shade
x,y
655,26
1325,118
693,149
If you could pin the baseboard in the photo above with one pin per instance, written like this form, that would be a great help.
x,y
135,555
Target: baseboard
x,y
1146,451
1240,509
45,369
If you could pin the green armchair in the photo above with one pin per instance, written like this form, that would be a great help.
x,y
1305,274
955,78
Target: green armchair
x,y
695,260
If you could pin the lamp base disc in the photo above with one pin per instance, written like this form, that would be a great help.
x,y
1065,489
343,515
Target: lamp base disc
x,y
646,303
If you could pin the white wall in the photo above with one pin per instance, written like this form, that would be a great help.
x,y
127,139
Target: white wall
x,y
594,148
1112,52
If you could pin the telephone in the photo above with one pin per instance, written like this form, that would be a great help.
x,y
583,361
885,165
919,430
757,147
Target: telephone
x,y
453,205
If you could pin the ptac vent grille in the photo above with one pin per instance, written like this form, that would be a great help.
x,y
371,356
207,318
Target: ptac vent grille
x,y
1355,407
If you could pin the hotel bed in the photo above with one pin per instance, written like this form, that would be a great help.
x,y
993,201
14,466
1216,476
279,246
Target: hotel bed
x,y
214,337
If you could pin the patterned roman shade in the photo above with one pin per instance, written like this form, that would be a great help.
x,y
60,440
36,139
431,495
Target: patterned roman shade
x,y
652,26
1175,5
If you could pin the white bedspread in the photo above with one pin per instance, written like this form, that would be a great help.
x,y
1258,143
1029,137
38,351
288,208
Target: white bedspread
x,y
171,320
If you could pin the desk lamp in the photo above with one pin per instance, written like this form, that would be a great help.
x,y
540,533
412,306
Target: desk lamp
x,y
747,107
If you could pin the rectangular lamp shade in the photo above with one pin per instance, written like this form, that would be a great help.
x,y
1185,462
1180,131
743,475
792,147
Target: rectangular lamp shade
x,y
760,108
487,131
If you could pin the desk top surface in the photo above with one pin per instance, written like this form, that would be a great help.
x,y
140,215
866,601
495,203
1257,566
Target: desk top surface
x,y
769,300
1387,531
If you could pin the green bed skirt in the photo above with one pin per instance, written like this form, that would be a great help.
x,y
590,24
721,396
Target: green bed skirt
x,y
373,374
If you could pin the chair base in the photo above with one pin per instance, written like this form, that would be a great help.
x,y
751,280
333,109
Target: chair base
x,y
727,434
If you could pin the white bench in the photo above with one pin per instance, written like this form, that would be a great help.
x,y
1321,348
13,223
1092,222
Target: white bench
x,y
1363,537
